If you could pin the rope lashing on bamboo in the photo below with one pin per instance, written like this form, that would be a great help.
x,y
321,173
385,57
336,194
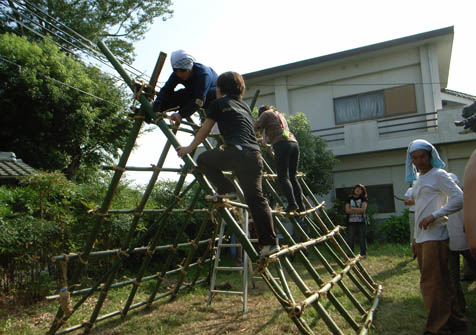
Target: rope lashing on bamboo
x,y
182,269
173,249
150,252
158,117
289,305
118,168
81,259
59,321
96,212
87,325
121,252
137,213
133,281
224,203
194,244
138,88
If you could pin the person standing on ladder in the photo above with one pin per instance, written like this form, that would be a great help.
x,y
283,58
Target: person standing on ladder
x,y
200,83
286,154
241,154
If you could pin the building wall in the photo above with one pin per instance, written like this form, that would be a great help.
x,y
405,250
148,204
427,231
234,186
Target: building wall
x,y
388,167
367,154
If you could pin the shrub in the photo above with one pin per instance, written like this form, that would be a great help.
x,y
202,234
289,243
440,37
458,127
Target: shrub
x,y
396,229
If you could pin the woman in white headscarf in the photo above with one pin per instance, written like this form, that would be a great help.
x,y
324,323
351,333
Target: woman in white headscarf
x,y
199,83
436,195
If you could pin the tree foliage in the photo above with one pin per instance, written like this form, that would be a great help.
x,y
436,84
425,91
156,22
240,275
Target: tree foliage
x,y
57,113
118,23
316,160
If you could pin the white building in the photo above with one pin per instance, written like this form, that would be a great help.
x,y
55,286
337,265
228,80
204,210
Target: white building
x,y
369,103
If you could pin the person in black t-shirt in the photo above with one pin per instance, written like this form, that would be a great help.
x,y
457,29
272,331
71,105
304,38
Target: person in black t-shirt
x,y
241,155
355,207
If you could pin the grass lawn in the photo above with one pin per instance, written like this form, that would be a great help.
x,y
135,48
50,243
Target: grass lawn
x,y
400,311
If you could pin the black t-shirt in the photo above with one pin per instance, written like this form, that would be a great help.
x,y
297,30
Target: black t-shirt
x,y
234,122
355,203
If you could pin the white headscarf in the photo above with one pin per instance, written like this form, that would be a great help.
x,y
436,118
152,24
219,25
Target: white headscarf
x,y
181,59
436,161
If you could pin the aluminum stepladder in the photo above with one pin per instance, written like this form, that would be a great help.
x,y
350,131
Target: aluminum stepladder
x,y
243,268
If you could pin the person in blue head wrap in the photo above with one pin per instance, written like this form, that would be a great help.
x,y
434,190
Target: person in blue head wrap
x,y
436,195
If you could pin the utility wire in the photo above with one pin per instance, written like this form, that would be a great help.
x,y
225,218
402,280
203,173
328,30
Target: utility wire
x,y
89,44
88,51
19,67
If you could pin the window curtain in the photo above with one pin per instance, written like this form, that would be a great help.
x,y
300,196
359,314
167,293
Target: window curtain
x,y
371,106
346,109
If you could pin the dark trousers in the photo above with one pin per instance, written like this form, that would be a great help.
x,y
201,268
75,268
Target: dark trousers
x,y
286,155
247,165
454,270
357,230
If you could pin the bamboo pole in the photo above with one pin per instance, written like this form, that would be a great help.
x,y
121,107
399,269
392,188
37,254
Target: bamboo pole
x,y
306,291
170,257
153,242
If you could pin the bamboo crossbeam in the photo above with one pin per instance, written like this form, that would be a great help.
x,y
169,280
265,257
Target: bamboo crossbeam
x,y
356,270
190,255
146,260
116,313
304,245
313,272
370,315
325,289
178,236
155,210
274,175
145,169
341,241
135,250
317,306
123,283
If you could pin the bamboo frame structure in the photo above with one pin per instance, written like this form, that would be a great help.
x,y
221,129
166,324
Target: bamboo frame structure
x,y
342,281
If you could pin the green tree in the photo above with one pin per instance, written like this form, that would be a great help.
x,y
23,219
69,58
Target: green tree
x,y
117,23
57,113
316,160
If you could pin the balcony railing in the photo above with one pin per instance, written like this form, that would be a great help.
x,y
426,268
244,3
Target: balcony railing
x,y
403,124
333,134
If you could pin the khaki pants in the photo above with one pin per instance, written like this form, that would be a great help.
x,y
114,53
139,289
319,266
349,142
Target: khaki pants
x,y
437,289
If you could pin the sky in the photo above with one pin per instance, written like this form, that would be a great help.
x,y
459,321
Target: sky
x,y
251,35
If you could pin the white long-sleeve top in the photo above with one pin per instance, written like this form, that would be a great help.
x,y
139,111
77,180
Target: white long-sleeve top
x,y
435,193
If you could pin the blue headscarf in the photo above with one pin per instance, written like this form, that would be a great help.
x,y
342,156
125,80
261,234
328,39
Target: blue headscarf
x,y
436,161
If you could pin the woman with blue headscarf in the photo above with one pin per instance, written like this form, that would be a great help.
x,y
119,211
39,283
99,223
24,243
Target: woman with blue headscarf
x,y
436,195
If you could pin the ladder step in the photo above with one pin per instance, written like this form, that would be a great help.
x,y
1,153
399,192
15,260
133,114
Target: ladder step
x,y
227,292
230,268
